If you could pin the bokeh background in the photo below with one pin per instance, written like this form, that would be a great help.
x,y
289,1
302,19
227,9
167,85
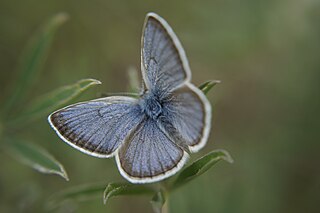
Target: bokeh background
x,y
266,110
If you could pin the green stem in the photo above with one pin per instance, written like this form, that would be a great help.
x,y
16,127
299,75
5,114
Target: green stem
x,y
165,208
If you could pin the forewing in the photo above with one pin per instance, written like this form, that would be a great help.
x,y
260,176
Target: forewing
x,y
187,116
97,127
148,155
164,63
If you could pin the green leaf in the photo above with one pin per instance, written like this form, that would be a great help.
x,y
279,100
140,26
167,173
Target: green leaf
x,y
78,194
33,58
36,157
116,189
208,85
200,166
54,99
158,201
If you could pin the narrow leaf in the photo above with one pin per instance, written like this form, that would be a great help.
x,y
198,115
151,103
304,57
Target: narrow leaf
x,y
78,194
128,94
208,85
49,102
37,158
200,166
116,189
33,58
158,201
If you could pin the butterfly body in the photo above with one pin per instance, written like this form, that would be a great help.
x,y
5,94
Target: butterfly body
x,y
151,137
151,105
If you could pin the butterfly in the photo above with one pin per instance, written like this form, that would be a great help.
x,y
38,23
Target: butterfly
x,y
151,136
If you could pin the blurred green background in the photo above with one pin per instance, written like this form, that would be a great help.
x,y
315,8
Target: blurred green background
x,y
266,111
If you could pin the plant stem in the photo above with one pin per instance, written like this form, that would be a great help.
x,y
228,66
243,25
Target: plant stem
x,y
165,192
165,208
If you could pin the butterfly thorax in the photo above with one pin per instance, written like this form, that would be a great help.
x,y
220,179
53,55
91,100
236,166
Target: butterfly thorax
x,y
151,105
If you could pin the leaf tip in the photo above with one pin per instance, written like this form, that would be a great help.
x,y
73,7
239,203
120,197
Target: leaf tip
x,y
226,156
37,158
94,81
216,81
208,85
90,81
64,174
106,194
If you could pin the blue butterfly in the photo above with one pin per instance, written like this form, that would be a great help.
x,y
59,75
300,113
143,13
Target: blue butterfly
x,y
151,136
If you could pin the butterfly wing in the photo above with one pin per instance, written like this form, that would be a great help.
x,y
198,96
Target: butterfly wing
x,y
97,127
163,61
165,69
187,116
148,155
